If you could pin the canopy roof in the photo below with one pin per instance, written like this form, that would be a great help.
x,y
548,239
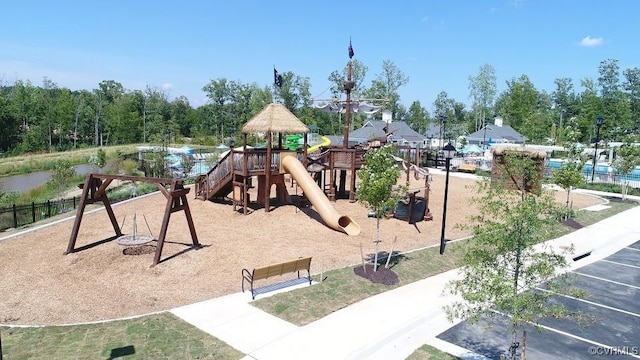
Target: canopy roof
x,y
355,107
275,118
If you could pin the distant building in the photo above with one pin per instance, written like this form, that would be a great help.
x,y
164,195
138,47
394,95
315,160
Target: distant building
x,y
496,133
400,134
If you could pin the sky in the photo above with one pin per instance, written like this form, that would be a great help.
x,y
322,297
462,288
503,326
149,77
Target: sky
x,y
180,46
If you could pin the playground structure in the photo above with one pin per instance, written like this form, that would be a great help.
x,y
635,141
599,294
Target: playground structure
x,y
233,172
94,190
412,207
500,173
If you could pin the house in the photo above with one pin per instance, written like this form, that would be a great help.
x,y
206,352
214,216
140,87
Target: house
x,y
438,135
400,134
496,133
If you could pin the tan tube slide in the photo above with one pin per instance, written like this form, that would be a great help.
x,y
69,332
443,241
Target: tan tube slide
x,y
319,200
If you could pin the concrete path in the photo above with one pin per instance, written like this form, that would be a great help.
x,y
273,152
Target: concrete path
x,y
390,325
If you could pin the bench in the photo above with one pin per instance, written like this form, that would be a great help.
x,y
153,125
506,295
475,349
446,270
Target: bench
x,y
275,270
471,168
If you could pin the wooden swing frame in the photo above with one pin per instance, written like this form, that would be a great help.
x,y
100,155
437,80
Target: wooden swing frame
x,y
94,190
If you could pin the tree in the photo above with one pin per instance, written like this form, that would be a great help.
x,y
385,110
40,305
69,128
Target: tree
x,y
627,158
565,102
417,117
377,188
506,262
570,173
632,87
615,107
386,85
61,175
482,91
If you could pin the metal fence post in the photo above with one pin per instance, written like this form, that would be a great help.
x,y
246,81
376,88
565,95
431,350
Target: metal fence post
x,y
33,211
15,217
48,208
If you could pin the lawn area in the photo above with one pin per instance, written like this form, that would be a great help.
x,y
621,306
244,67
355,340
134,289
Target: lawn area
x,y
161,336
426,352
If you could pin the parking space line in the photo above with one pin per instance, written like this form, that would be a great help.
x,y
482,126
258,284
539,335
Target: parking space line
x,y
619,263
591,302
607,280
594,343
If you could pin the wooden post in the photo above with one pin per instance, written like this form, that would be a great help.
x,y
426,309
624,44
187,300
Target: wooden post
x,y
267,182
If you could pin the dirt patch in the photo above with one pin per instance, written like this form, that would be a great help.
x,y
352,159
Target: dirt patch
x,y
40,285
572,223
382,275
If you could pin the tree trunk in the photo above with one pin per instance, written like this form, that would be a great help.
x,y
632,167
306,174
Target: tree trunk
x,y
375,256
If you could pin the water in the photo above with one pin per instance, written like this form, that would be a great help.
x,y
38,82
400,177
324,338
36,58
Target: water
x,y
25,182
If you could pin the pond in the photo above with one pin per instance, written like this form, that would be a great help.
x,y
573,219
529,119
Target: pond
x,y
25,182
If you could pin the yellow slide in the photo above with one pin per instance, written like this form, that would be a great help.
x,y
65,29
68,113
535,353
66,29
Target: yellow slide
x,y
325,142
319,200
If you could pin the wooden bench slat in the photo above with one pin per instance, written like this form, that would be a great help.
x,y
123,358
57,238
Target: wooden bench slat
x,y
288,267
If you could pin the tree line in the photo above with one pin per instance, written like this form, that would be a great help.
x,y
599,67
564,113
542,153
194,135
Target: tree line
x,y
46,117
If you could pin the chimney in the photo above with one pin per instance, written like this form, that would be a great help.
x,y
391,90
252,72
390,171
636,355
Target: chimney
x,y
498,121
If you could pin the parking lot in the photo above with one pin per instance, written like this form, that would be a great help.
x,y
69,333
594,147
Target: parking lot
x,y
610,326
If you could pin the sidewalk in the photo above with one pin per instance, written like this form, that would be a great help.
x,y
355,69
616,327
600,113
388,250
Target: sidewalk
x,y
390,325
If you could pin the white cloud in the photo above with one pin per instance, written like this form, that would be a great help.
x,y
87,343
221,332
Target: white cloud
x,y
425,18
167,86
588,41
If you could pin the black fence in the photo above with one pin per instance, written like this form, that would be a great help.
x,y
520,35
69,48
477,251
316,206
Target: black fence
x,y
20,215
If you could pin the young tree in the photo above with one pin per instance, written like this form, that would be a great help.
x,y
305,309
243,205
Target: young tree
x,y
506,258
570,173
627,158
377,187
61,175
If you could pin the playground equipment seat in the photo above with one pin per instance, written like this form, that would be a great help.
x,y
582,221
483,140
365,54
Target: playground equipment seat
x,y
275,270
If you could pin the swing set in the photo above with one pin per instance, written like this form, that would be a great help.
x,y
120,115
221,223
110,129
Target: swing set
x,y
94,190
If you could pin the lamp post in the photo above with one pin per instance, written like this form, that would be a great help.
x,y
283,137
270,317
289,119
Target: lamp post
x,y
484,134
449,151
596,140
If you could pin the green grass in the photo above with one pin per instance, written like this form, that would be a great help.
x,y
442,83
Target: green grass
x,y
426,352
161,336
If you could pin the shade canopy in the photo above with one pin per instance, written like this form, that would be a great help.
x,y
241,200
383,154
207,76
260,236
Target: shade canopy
x,y
356,107
275,118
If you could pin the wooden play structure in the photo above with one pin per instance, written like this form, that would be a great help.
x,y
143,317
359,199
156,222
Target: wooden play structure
x,y
500,175
234,172
94,190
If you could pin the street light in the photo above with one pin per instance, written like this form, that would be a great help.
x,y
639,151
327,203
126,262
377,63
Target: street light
x,y
449,152
484,134
596,140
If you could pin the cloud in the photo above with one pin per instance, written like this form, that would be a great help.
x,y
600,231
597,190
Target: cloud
x,y
167,86
425,18
588,41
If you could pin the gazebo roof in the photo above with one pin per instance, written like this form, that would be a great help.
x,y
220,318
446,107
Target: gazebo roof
x,y
275,118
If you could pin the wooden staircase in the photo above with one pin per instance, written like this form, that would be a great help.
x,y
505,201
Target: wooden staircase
x,y
218,182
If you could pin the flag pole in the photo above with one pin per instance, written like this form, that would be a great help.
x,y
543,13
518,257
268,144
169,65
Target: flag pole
x,y
348,86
